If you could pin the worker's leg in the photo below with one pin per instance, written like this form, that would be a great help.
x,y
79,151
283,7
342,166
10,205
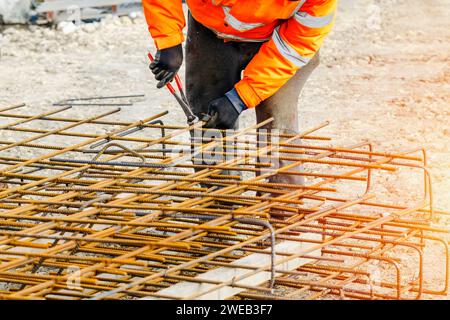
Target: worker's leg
x,y
211,71
283,107
213,67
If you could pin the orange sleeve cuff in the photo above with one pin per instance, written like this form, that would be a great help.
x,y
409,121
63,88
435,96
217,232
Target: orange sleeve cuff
x,y
169,40
247,94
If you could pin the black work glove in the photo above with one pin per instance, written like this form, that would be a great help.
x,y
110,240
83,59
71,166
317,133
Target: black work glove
x,y
224,112
166,64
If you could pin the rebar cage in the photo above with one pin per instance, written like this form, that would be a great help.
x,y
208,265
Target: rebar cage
x,y
96,208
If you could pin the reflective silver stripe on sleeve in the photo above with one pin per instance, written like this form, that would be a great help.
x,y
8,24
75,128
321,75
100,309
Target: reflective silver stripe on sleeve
x,y
239,25
310,21
302,2
288,52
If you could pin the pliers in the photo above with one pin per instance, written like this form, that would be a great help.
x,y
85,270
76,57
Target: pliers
x,y
181,97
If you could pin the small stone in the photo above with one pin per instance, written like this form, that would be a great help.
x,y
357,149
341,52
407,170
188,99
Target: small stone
x,y
90,27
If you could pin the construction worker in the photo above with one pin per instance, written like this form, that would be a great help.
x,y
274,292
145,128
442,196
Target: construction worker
x,y
240,55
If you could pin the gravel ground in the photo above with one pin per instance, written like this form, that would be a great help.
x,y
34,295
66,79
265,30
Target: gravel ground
x,y
384,77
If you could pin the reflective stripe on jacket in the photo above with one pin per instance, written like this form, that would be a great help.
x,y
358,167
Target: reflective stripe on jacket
x,y
293,32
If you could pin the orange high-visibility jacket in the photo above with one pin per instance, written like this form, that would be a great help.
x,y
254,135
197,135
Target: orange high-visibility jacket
x,y
293,32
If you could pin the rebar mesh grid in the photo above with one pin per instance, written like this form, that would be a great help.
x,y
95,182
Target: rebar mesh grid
x,y
132,212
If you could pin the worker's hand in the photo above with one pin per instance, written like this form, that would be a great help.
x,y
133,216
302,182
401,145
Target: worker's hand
x,y
166,64
224,112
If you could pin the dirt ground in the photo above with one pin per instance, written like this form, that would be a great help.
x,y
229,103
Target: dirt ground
x,y
384,76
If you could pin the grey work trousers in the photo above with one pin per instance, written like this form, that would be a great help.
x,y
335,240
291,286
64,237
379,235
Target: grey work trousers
x,y
213,67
